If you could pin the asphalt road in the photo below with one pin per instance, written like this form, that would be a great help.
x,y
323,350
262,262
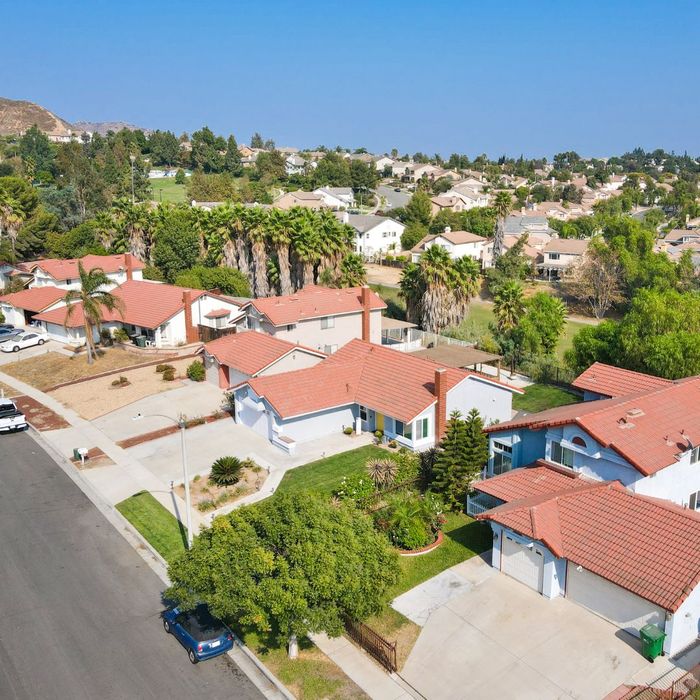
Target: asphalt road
x,y
79,608
393,199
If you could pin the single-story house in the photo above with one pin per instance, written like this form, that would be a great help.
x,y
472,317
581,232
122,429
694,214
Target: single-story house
x,y
20,308
309,200
234,358
166,315
336,197
64,273
628,558
367,387
319,317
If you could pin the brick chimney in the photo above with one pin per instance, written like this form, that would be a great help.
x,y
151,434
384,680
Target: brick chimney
x,y
191,335
440,392
365,313
129,266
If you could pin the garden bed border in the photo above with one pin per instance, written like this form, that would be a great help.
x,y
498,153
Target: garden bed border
x,y
423,550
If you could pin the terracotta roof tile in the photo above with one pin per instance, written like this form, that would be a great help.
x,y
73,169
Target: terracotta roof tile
x,y
35,298
314,302
68,269
647,546
615,381
250,352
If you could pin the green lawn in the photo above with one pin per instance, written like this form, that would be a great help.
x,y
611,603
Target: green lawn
x,y
160,527
165,189
464,538
571,328
396,306
539,397
325,474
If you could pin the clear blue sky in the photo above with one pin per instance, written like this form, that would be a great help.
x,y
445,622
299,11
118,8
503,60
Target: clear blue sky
x,y
533,77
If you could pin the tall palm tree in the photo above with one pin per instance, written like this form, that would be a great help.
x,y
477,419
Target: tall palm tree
x,y
136,223
221,235
280,234
94,301
502,205
411,290
508,305
106,229
11,217
238,224
256,227
467,282
437,272
306,242
352,271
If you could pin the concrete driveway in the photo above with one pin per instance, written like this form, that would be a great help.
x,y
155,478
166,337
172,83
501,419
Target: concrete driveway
x,y
486,635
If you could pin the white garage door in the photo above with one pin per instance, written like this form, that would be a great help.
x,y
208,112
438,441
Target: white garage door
x,y
622,608
522,563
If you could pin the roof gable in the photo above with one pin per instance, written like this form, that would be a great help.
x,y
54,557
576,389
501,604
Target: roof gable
x,y
34,298
615,381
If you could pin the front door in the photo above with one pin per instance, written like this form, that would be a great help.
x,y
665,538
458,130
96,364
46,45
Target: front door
x,y
380,421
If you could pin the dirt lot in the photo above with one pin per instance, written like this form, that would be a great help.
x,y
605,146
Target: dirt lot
x,y
381,274
45,371
96,397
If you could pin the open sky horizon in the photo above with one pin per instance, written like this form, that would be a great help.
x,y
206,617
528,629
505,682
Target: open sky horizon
x,y
468,77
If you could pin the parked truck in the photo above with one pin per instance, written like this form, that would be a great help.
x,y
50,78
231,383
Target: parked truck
x,y
11,418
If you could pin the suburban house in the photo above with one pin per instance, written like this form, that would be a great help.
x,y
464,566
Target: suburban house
x,y
232,359
294,164
20,308
319,317
628,558
310,200
367,387
400,169
383,162
601,381
561,256
537,225
469,196
374,235
336,197
456,243
162,314
445,203
64,273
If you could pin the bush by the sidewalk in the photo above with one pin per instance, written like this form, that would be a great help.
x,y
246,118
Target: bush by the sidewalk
x,y
196,371
226,471
169,374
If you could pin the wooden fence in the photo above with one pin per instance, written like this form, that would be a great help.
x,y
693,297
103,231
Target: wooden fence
x,y
373,643
207,333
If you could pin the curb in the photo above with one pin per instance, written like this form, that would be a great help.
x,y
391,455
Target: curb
x,y
158,565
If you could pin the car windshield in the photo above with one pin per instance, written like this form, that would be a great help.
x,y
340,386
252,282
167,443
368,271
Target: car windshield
x,y
7,409
202,625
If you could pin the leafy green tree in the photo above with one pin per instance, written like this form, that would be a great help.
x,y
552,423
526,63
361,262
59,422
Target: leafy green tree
x,y
79,241
176,245
363,176
418,210
164,148
232,159
227,280
31,240
508,305
207,151
543,323
257,141
287,567
35,146
180,177
502,205
513,265
94,300
63,203
413,234
270,166
333,171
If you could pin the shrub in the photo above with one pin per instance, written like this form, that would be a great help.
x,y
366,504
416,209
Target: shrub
x,y
121,336
226,471
354,488
122,381
378,434
411,521
196,371
207,504
382,472
162,368
408,464
197,477
348,430
393,444
169,374
105,336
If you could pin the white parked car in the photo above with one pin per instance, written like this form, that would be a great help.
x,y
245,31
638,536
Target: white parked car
x,y
24,340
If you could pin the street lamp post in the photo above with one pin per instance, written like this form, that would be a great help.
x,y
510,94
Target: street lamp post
x,y
180,422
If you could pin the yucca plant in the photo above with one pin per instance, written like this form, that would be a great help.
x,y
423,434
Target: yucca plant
x,y
226,471
382,472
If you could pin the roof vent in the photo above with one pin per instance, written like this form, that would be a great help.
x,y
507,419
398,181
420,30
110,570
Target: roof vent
x,y
624,423
635,412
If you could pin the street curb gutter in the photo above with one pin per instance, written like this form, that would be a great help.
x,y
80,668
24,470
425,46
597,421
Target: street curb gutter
x,y
263,679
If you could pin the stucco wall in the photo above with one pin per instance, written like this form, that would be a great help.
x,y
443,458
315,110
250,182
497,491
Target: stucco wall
x,y
684,627
320,424
298,359
494,403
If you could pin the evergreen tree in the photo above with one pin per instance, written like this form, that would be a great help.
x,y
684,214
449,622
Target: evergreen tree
x,y
232,159
477,445
450,471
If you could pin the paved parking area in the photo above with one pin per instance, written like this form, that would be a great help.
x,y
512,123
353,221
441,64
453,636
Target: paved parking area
x,y
486,635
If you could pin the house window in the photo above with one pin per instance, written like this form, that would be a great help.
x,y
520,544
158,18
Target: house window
x,y
290,327
363,413
327,322
579,441
330,349
562,455
69,281
502,457
694,501
554,256
421,429
695,455
403,429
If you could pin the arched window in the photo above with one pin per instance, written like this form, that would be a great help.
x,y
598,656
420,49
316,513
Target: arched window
x,y
579,441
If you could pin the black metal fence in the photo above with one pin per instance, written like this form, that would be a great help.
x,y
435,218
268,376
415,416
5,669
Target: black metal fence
x,y
373,643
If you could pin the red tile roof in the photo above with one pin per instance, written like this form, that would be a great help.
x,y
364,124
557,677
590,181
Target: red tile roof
x,y
146,304
218,313
539,478
388,381
68,269
649,429
314,302
35,298
250,352
615,381
647,546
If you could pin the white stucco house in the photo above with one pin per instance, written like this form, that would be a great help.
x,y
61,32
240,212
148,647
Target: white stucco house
x,y
64,273
20,308
456,243
318,317
470,197
367,387
336,197
599,501
374,235
561,256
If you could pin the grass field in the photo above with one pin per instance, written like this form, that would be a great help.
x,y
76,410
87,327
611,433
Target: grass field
x,y
324,475
165,189
160,527
539,397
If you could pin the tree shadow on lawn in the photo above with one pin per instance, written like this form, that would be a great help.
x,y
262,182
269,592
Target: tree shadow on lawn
x,y
475,536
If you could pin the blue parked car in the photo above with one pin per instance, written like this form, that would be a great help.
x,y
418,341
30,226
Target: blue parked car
x,y
199,632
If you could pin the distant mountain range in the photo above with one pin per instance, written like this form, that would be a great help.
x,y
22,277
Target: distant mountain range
x,y
16,116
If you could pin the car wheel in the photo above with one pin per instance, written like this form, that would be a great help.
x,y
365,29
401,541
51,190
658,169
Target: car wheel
x,y
193,657
166,626
15,349
41,341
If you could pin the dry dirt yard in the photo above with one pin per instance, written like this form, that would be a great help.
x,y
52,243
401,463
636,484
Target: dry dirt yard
x,y
382,274
95,397
52,368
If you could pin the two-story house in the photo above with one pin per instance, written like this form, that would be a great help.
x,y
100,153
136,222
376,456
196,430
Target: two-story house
x,y
561,256
456,243
336,197
374,235
64,273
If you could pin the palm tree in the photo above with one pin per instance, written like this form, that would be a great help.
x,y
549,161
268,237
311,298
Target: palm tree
x,y
238,223
280,233
502,205
352,271
136,222
93,299
11,217
467,284
306,242
221,235
437,272
256,220
411,290
508,305
106,229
